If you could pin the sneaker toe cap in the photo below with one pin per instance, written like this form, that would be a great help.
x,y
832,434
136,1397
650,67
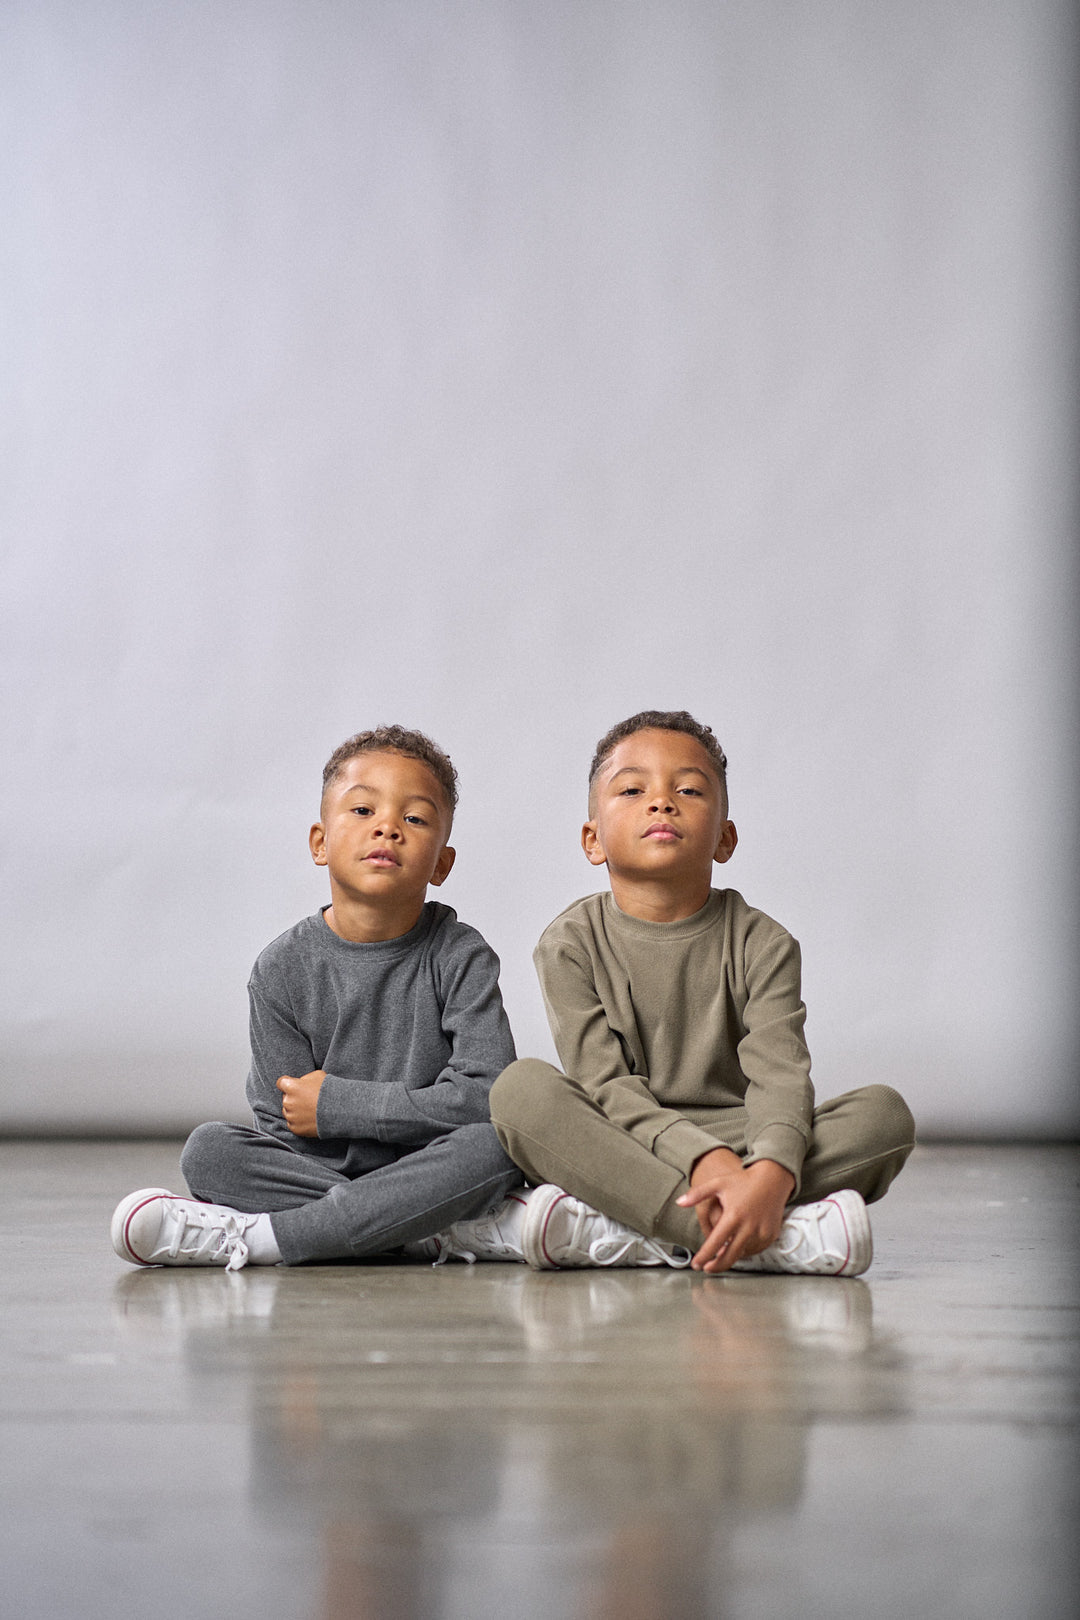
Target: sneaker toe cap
x,y
136,1224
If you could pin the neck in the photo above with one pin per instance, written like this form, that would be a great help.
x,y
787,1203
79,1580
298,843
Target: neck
x,y
364,924
655,900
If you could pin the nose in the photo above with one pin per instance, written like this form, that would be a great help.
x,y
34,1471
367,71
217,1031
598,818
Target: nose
x,y
388,829
662,804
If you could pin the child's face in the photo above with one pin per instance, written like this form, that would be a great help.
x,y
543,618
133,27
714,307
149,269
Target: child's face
x,y
659,811
383,832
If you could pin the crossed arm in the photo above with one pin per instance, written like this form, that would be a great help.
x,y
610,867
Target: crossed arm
x,y
300,1101
288,1095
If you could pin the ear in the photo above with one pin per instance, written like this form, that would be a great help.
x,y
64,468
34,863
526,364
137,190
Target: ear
x,y
317,843
725,849
443,865
590,843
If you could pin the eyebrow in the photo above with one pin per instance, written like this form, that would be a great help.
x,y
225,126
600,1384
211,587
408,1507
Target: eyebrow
x,y
640,770
412,798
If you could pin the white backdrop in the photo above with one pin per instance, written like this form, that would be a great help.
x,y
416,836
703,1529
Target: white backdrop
x,y
501,367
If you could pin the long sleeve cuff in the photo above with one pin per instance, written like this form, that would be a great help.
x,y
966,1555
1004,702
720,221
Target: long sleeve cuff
x,y
681,1144
390,1111
350,1108
785,1145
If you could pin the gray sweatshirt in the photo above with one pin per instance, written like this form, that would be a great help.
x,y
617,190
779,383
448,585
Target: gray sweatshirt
x,y
411,1033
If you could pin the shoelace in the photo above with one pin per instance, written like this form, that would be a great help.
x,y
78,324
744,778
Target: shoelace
x,y
615,1243
459,1251
197,1232
608,1251
797,1233
788,1245
489,1238
492,1238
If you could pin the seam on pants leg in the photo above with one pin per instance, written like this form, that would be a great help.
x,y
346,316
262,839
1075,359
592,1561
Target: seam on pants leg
x,y
863,1164
488,1187
557,1158
379,1240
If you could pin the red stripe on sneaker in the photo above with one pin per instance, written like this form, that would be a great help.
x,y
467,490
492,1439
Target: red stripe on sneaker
x,y
138,1259
555,1202
840,1209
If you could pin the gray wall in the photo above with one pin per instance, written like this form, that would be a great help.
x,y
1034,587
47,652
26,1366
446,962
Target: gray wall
x,y
502,368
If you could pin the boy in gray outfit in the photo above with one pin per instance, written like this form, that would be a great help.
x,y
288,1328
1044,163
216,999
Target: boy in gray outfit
x,y
377,1029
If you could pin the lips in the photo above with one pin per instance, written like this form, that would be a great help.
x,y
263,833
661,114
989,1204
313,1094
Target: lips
x,y
662,831
382,857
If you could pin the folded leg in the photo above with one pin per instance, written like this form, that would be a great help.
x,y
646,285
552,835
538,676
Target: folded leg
x,y
558,1133
319,1214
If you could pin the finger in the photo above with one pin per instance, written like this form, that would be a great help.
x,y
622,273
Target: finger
x,y
696,1195
713,1252
721,1260
720,1249
284,1082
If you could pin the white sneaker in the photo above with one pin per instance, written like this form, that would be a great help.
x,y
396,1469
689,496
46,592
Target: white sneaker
x,y
559,1231
154,1227
490,1237
828,1239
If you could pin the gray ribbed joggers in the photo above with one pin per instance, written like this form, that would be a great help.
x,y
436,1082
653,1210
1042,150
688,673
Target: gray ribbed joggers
x,y
320,1214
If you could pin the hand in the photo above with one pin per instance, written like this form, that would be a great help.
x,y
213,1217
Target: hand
x,y
300,1101
740,1208
710,1172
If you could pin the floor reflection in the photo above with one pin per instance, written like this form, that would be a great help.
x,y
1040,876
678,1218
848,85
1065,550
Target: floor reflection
x,y
494,1440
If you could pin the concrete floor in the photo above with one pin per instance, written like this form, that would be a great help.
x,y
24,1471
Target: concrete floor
x,y
355,1442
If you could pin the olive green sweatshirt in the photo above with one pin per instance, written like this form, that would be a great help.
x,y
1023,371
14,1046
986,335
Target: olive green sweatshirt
x,y
662,1021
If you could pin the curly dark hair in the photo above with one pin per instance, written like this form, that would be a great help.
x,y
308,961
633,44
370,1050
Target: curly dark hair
x,y
659,720
396,740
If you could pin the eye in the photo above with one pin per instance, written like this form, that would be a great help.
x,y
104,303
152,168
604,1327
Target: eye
x,y
361,810
629,792
416,821
695,793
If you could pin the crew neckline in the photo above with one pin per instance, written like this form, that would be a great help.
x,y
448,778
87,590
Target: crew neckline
x,y
681,928
334,941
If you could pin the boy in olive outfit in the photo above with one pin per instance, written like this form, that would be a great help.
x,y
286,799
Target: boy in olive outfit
x,y
684,1129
